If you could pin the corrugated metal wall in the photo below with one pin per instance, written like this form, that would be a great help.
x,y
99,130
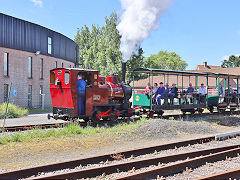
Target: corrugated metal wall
x,y
18,34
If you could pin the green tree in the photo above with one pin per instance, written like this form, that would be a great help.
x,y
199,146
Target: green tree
x,y
233,61
136,61
99,48
165,60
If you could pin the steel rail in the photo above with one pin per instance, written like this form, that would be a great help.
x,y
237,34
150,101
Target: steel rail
x,y
136,164
181,166
225,175
96,159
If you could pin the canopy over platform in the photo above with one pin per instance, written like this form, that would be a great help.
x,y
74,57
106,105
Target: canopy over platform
x,y
184,73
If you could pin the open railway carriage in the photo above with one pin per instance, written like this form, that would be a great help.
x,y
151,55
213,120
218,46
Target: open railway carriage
x,y
102,100
213,99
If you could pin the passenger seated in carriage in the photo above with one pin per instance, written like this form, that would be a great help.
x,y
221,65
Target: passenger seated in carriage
x,y
173,93
167,88
155,87
232,94
202,92
160,93
148,89
189,94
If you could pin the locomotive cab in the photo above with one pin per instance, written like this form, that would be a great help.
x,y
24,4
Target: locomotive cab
x,y
64,93
100,100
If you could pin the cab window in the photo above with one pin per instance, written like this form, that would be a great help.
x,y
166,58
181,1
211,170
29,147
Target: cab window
x,y
52,78
66,77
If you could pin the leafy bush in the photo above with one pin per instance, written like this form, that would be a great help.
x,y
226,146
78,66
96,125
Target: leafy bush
x,y
13,111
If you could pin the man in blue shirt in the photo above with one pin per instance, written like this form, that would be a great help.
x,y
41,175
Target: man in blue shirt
x,y
160,93
81,86
189,94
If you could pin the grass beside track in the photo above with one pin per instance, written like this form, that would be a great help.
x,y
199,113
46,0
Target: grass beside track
x,y
72,130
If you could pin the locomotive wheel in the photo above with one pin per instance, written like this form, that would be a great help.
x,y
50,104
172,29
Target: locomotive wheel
x,y
94,116
86,119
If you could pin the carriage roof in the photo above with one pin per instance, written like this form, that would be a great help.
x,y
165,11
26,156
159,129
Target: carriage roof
x,y
184,73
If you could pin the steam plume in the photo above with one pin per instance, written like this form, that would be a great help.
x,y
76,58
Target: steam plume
x,y
137,21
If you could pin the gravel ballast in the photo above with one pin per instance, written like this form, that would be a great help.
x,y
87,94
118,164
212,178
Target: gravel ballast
x,y
173,128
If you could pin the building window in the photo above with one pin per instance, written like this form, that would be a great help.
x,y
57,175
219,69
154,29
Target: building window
x,y
49,45
55,64
6,64
29,67
29,96
62,65
41,96
41,68
5,92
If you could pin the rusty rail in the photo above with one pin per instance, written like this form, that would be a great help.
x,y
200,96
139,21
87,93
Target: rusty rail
x,y
181,166
29,127
225,175
137,164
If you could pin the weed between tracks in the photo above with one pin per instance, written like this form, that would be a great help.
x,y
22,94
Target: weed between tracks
x,y
72,130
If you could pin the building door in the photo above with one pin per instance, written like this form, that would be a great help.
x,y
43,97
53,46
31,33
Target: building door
x,y
29,96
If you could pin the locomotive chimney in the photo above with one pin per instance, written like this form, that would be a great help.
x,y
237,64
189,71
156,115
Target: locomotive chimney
x,y
123,71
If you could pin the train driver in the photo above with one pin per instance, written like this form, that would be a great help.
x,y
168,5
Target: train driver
x,y
160,93
81,86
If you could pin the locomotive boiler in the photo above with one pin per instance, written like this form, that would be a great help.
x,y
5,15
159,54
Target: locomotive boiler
x,y
105,98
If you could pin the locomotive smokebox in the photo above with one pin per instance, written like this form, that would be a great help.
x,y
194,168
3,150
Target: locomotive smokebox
x,y
123,71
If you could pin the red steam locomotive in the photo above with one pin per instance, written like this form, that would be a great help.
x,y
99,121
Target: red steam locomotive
x,y
103,100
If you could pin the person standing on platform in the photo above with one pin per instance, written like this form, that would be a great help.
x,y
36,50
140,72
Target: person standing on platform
x,y
81,87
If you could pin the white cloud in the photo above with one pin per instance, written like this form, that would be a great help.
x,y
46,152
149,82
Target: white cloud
x,y
226,57
37,3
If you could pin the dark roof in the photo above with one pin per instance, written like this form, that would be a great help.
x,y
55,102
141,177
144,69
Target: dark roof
x,y
26,36
203,67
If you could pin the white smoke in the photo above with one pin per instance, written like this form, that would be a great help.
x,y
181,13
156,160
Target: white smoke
x,y
137,21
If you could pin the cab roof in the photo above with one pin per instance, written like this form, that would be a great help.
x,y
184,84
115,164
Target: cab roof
x,y
76,69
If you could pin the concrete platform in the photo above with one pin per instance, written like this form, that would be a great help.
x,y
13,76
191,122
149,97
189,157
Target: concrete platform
x,y
31,119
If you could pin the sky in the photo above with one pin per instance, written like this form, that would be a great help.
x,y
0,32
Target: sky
x,y
197,30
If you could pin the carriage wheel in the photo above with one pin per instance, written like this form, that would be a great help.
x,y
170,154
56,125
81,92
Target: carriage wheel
x,y
200,111
184,112
221,110
210,108
192,111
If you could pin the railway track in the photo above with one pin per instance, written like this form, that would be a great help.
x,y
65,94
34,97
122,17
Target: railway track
x,y
189,160
35,171
119,162
29,127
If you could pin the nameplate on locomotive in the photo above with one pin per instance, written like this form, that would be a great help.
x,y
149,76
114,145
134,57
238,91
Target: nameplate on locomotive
x,y
96,97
